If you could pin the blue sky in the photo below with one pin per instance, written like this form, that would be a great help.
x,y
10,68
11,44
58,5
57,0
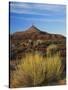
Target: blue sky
x,y
47,17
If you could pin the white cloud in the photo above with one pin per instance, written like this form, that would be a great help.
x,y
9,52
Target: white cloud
x,y
29,12
51,20
19,7
24,8
51,7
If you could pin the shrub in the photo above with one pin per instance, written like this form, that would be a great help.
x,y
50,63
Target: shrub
x,y
52,50
34,69
53,67
53,63
29,71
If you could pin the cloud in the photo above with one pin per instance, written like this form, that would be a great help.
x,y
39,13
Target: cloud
x,y
37,6
44,20
36,9
49,13
30,12
19,5
50,7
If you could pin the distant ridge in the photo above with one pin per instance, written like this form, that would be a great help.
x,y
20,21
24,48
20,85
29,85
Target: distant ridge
x,y
34,33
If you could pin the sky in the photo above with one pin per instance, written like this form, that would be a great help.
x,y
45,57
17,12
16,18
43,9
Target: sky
x,y
46,17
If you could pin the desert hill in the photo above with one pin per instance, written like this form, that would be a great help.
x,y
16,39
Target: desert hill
x,y
34,33
35,39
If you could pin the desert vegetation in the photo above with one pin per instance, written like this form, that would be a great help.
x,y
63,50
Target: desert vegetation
x,y
35,70
37,58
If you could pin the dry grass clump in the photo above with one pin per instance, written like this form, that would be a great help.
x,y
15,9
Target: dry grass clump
x,y
53,67
53,63
29,71
34,69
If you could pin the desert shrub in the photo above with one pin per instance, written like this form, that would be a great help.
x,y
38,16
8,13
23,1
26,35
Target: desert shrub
x,y
53,67
34,69
29,71
52,50
53,63
18,78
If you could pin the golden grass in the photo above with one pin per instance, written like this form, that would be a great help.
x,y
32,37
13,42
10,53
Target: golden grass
x,y
34,69
53,67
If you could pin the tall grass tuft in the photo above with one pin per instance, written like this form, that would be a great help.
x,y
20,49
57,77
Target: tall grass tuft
x,y
53,67
34,69
53,63
29,71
